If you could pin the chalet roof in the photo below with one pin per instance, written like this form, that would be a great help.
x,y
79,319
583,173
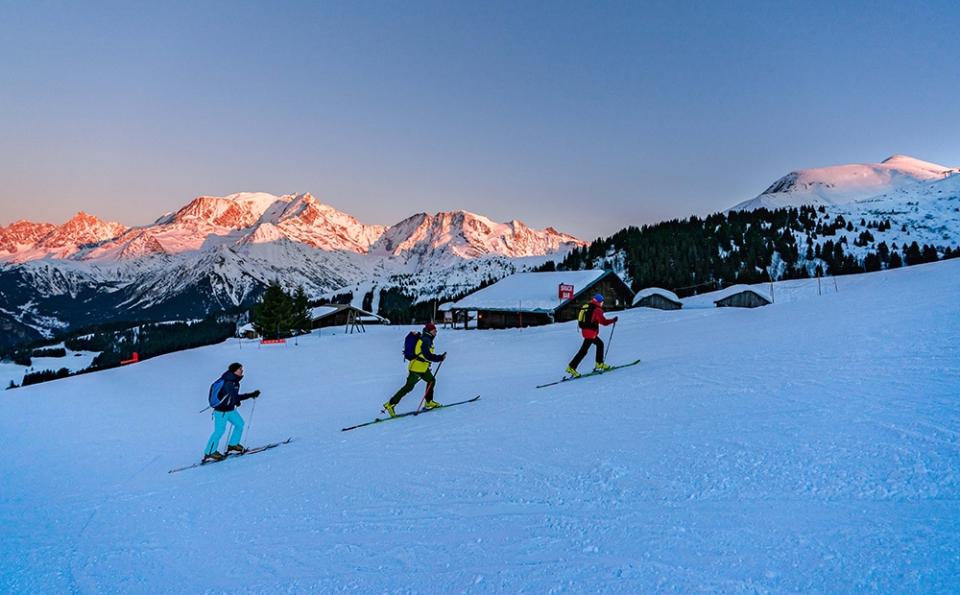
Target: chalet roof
x,y
644,293
709,300
321,312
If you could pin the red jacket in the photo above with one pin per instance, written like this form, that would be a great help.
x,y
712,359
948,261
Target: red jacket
x,y
598,318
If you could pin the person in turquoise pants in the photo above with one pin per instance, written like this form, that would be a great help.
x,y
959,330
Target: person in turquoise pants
x,y
225,397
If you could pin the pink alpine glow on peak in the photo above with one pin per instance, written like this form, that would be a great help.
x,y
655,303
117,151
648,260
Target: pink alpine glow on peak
x,y
25,240
248,219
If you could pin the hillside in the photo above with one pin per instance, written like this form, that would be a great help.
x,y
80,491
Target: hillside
x,y
810,445
908,226
841,184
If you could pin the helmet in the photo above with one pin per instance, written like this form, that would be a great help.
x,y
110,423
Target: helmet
x,y
598,298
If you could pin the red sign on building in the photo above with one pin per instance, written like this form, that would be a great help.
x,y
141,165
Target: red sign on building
x,y
566,292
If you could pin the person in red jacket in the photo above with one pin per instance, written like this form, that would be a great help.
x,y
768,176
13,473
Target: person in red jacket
x,y
591,317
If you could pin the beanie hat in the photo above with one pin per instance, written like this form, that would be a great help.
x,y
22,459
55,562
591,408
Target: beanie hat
x,y
234,367
430,327
598,298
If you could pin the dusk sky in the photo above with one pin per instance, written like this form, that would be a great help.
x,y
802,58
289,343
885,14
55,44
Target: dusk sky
x,y
580,115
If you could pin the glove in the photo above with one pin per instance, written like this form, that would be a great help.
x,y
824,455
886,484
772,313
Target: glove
x,y
255,394
443,356
616,318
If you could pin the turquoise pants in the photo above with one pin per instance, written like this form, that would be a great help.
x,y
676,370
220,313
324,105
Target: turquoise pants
x,y
220,419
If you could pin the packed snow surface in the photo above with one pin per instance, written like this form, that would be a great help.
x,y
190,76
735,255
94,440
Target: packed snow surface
x,y
811,445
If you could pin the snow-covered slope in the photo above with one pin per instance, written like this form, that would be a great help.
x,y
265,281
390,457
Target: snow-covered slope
x,y
927,213
841,184
219,252
810,446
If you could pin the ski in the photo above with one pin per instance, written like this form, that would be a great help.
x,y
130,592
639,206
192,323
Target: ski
x,y
587,375
409,413
249,451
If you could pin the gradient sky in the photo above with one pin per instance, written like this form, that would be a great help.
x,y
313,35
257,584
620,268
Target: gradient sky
x,y
585,116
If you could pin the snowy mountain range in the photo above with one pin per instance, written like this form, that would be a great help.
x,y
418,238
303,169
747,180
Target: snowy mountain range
x,y
842,184
218,253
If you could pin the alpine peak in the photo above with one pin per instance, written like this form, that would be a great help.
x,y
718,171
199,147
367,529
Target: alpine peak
x,y
840,184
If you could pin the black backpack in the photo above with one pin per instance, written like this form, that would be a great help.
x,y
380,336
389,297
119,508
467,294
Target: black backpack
x,y
410,346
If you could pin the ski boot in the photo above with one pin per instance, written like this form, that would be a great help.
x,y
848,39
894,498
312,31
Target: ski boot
x,y
237,448
573,373
431,405
212,457
601,367
388,407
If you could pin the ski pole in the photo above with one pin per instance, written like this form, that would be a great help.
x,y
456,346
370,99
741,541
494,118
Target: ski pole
x,y
429,385
610,340
250,421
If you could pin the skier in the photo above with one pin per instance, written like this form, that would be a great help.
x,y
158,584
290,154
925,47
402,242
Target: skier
x,y
590,318
225,397
419,368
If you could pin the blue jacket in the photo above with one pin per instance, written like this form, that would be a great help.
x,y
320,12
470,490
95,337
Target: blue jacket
x,y
225,393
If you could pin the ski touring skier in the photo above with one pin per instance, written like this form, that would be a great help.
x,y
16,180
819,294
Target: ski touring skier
x,y
590,319
418,349
224,398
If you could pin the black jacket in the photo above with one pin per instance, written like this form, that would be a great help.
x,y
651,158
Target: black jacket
x,y
229,395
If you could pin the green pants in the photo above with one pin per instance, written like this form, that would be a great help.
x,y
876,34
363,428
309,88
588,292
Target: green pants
x,y
412,379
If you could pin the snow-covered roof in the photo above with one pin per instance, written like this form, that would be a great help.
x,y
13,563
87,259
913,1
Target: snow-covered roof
x,y
643,293
364,316
373,318
709,300
247,328
529,292
445,307
321,311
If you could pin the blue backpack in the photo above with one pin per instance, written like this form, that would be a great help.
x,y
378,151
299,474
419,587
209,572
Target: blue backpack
x,y
410,346
215,389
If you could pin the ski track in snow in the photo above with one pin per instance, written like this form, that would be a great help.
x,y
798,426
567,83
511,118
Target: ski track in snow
x,y
810,445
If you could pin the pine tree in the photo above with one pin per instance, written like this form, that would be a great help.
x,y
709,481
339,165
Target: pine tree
x,y
272,317
895,261
883,252
300,311
913,255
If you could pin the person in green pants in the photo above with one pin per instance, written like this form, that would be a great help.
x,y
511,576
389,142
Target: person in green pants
x,y
419,369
